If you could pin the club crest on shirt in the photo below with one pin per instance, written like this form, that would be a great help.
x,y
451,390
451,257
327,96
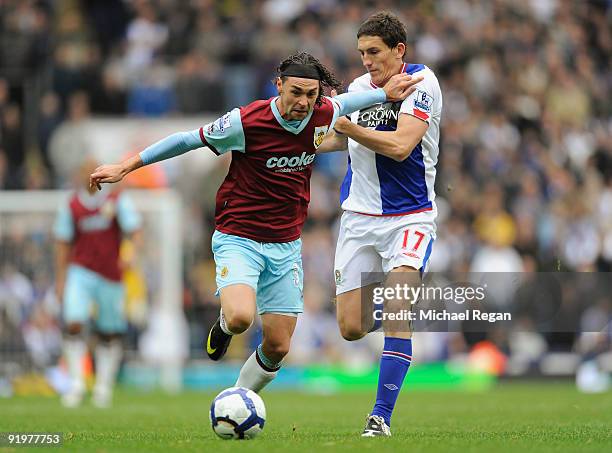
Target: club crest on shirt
x,y
319,135
338,275
224,272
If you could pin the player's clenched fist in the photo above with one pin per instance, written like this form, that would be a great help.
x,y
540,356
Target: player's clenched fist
x,y
400,86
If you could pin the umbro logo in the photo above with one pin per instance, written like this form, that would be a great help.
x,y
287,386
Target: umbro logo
x,y
391,386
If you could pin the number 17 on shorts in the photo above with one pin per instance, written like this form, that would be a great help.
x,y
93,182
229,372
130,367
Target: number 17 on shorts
x,y
411,246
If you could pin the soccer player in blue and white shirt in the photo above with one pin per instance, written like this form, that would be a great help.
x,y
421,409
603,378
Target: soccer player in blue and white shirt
x,y
388,225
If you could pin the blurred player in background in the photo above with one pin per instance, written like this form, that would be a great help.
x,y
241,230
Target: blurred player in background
x,y
388,225
262,204
89,230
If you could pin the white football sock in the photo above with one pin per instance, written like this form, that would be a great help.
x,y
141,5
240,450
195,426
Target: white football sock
x,y
74,351
108,356
253,376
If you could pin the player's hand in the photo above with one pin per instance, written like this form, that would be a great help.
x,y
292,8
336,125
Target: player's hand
x,y
341,125
105,174
400,86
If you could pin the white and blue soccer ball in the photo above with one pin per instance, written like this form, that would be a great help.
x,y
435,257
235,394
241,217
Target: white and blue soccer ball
x,y
237,413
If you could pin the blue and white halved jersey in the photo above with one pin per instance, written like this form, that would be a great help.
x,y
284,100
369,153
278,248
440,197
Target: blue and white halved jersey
x,y
378,185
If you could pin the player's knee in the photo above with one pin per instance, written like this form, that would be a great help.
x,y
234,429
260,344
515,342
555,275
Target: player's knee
x,y
238,322
73,328
353,334
109,337
351,331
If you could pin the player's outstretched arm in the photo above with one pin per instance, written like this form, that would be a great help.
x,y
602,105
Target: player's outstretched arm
x,y
223,135
171,146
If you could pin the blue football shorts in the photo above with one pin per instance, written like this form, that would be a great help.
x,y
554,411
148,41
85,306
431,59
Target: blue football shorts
x,y
273,270
86,293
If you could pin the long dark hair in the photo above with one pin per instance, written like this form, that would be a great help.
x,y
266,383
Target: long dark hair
x,y
328,79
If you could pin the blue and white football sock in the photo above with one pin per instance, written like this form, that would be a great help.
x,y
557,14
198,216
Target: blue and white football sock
x,y
257,372
394,364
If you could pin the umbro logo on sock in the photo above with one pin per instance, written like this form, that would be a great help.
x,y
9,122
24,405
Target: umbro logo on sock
x,y
391,386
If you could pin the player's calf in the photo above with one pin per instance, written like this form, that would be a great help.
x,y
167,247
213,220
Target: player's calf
x,y
354,315
275,349
263,365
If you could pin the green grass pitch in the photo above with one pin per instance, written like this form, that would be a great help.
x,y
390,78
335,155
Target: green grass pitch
x,y
511,417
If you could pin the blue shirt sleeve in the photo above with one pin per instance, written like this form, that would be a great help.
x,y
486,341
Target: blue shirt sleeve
x,y
128,217
63,229
225,134
346,103
171,146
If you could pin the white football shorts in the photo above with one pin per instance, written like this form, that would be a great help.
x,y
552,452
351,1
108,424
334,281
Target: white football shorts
x,y
370,246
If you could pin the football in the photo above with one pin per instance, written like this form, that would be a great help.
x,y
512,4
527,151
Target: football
x,y
237,413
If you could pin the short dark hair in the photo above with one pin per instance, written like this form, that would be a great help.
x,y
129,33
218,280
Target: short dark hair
x,y
328,79
385,25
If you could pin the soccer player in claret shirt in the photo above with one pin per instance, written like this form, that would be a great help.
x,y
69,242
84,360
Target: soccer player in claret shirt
x,y
388,225
261,206
89,229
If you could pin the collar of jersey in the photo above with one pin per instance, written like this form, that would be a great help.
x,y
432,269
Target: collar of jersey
x,y
284,123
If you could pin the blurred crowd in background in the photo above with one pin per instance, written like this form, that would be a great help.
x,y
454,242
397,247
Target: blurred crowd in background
x,y
525,171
